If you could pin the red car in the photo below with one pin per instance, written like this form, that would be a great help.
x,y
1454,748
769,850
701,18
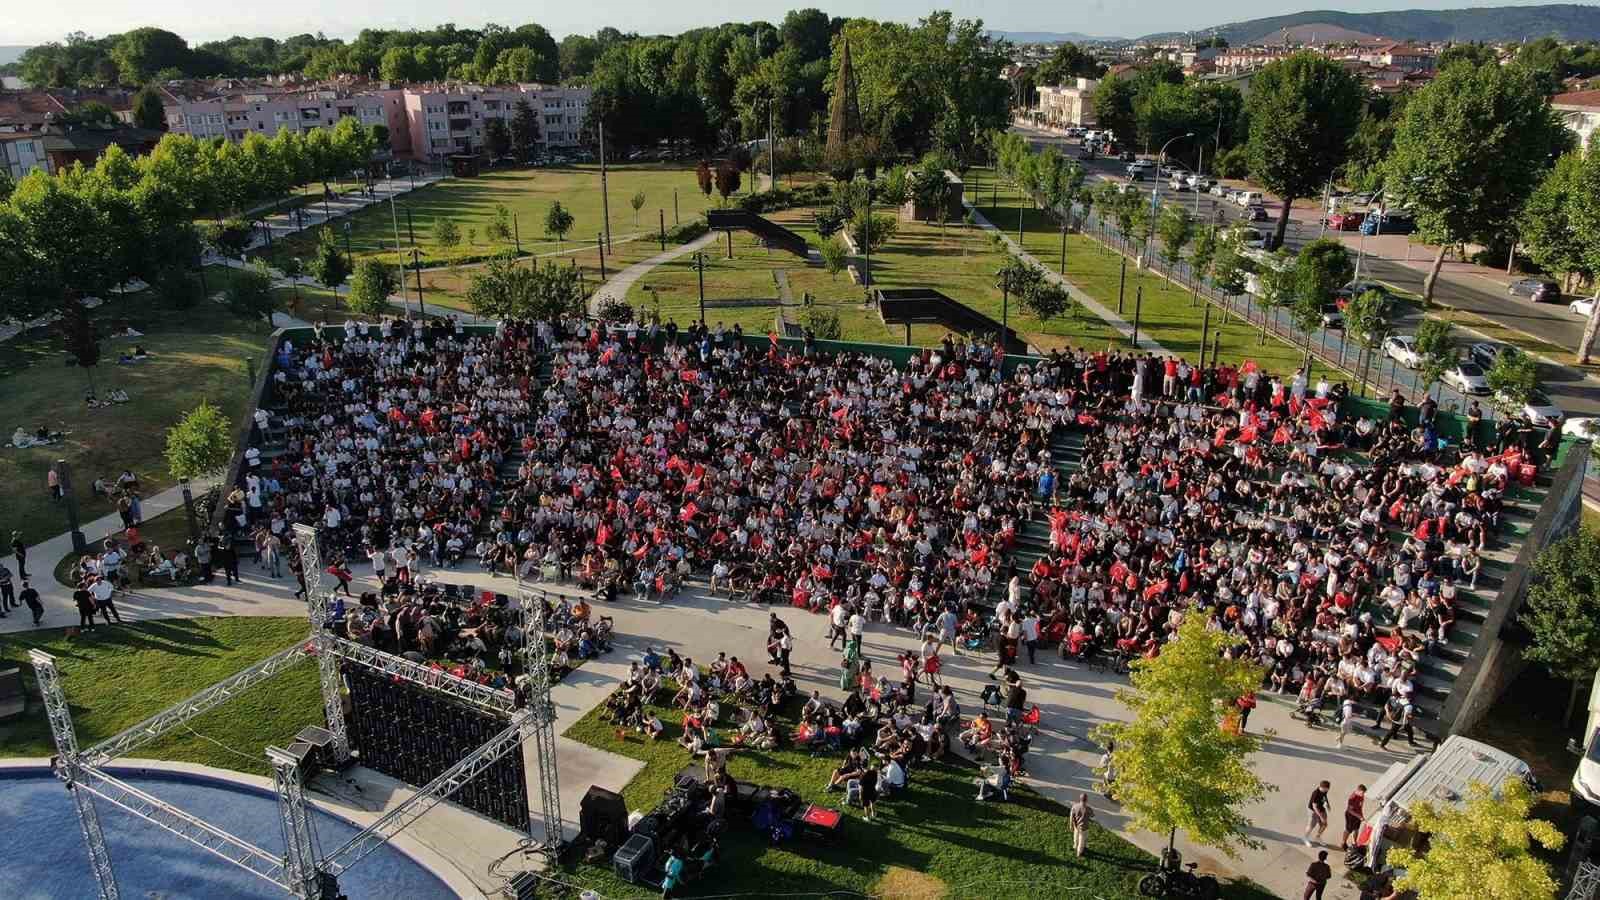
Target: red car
x,y
1345,221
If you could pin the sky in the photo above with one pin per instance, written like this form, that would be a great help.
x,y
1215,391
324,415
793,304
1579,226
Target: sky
x,y
29,23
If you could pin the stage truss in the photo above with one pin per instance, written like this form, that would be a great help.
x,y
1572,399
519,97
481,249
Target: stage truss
x,y
303,870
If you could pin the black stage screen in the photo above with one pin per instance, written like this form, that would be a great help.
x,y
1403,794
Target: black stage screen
x,y
410,733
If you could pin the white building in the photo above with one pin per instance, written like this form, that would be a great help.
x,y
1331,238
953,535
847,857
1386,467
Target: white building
x,y
1069,104
1580,112
21,152
267,112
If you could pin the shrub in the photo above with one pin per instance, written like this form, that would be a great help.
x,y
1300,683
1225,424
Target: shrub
x,y
614,310
688,231
824,323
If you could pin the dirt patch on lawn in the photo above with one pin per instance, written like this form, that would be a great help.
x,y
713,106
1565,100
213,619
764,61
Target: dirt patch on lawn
x,y
900,883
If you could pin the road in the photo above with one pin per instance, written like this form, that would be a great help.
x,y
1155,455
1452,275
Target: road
x,y
1393,260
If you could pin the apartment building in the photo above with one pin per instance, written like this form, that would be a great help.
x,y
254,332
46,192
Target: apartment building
x,y
236,114
1580,112
22,151
449,119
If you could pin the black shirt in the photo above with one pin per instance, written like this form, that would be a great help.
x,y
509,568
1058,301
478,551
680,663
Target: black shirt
x,y
30,596
1318,801
84,600
1016,697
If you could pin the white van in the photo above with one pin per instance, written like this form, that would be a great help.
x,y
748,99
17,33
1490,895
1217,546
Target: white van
x,y
1441,778
1586,781
1249,198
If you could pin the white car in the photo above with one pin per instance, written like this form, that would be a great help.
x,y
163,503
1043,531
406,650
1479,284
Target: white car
x,y
1584,307
1220,190
1467,378
1538,410
1249,198
1200,182
1484,353
1583,427
1402,348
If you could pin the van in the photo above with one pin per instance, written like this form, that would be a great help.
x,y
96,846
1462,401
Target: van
x,y
1441,778
1249,198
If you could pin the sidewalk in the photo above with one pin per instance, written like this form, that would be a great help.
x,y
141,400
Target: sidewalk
x,y
617,287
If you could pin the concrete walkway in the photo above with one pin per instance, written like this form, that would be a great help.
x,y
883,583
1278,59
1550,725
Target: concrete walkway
x,y
617,287
1092,305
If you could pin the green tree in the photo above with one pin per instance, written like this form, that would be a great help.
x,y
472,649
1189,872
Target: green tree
x,y
1366,321
330,267
1584,214
1066,62
1322,267
496,138
637,202
1481,849
834,255
870,232
1549,235
1302,111
200,444
557,222
1513,377
823,323
524,130
1562,613
80,338
148,111
1177,765
1047,300
930,190
500,288
1176,228
1203,254
249,292
1113,106
1228,268
1470,148
1436,350
370,288
446,233
143,52
499,227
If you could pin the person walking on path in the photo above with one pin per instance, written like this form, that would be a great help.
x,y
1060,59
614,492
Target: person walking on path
x,y
857,627
85,603
836,619
1354,812
101,590
8,597
947,630
380,562
1317,876
272,554
202,556
1317,805
1347,721
1399,720
20,551
228,557
1030,634
1082,815
31,598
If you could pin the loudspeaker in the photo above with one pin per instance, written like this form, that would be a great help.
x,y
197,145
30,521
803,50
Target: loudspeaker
x,y
522,886
603,816
634,860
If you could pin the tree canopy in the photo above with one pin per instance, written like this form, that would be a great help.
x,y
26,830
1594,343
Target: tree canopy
x,y
200,443
1482,849
1303,110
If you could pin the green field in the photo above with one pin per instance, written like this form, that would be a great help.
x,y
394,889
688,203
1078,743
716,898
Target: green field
x,y
527,194
195,354
117,675
933,840
1169,314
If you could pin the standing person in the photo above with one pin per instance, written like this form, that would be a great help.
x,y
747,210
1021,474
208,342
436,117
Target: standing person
x,y
101,590
228,557
338,571
1354,812
1317,805
52,480
8,598
947,630
1245,704
1082,815
380,562
20,551
858,629
31,597
1398,721
202,556
1317,876
272,550
1016,701
1030,634
785,647
869,790
85,603
402,562
836,619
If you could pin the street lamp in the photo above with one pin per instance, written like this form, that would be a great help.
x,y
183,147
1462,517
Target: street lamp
x,y
1155,195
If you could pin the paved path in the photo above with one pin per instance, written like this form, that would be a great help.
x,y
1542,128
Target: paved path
x,y
1092,305
617,287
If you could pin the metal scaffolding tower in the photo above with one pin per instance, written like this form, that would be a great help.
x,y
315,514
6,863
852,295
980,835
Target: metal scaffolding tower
x,y
302,870
1585,884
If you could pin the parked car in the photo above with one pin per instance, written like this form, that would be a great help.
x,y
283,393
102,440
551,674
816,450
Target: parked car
x,y
1388,223
1344,221
1125,156
1332,316
1251,239
1466,377
1583,427
1177,183
1537,290
1257,213
1249,198
1219,189
1402,348
1484,353
1142,166
1584,307
1538,410
1200,182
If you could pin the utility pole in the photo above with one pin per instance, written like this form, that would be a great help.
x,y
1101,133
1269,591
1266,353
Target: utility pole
x,y
416,263
516,230
1138,307
1122,284
700,269
411,227
663,216
399,254
600,244
772,148
1063,248
605,201
64,478
675,206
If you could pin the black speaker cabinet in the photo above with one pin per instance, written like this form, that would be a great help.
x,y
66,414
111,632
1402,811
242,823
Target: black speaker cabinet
x,y
603,816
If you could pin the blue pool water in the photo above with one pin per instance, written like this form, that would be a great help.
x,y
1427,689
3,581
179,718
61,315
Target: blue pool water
x,y
44,858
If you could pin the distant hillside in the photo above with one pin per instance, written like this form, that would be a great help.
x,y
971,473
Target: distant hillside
x,y
1048,37
1501,23
10,55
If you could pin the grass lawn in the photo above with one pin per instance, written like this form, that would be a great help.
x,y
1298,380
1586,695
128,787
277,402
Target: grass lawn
x,y
168,531
448,286
1169,315
933,840
196,354
527,195
117,675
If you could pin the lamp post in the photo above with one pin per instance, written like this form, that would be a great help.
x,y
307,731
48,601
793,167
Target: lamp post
x,y
700,269
1155,195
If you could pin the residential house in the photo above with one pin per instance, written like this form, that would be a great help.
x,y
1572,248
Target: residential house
x,y
1579,111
